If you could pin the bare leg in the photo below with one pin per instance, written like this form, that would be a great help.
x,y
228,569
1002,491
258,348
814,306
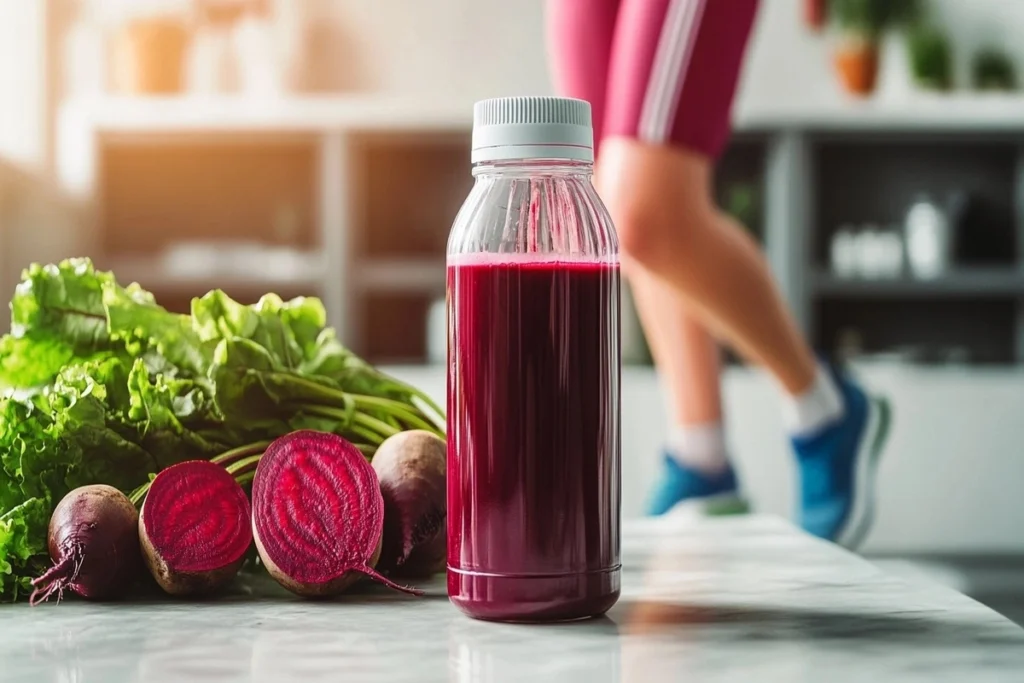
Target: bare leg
x,y
686,356
580,35
671,68
660,199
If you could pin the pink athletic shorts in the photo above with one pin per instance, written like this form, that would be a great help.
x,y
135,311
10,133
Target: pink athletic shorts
x,y
660,71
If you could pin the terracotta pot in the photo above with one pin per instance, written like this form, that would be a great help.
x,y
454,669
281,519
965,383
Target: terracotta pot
x,y
856,62
149,56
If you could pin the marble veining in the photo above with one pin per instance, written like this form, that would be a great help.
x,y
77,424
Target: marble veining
x,y
745,598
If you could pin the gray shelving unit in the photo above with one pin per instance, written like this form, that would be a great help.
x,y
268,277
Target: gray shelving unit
x,y
821,175
963,283
387,177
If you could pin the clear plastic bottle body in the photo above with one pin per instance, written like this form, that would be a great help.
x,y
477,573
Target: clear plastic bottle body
x,y
533,396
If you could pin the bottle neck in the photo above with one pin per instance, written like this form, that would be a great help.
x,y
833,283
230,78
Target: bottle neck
x,y
532,168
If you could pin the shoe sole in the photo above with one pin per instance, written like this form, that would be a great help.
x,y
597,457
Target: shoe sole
x,y
868,455
718,505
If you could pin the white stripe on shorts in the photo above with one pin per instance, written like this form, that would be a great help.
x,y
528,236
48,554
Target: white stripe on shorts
x,y
669,70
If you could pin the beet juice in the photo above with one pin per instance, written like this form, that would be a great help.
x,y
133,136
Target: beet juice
x,y
533,373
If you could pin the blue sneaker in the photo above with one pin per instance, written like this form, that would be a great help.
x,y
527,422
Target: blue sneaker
x,y
715,494
837,468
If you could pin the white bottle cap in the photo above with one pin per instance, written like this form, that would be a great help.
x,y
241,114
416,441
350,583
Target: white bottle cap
x,y
532,128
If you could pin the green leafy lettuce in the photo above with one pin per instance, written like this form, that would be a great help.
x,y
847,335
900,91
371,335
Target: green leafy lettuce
x,y
100,384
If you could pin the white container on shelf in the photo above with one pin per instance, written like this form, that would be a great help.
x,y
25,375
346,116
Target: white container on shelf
x,y
84,52
892,253
437,333
257,57
929,242
209,64
868,260
843,252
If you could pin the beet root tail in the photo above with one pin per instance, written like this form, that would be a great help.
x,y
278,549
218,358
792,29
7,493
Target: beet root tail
x,y
380,578
57,578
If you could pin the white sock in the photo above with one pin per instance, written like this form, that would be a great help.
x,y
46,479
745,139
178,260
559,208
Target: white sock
x,y
700,447
816,408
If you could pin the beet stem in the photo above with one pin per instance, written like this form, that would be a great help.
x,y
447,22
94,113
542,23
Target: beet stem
x,y
395,409
138,494
331,396
374,439
365,426
240,452
440,423
380,578
58,577
244,463
376,425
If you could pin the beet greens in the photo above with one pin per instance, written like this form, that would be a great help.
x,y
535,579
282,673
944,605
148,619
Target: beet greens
x,y
104,385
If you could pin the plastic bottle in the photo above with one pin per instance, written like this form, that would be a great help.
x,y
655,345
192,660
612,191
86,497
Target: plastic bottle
x,y
533,372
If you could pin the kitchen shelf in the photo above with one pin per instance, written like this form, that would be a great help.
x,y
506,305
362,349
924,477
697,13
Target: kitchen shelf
x,y
968,113
128,114
371,183
402,275
235,114
958,283
153,274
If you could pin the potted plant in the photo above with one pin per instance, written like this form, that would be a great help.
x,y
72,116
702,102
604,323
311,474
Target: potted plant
x,y
894,78
741,202
931,58
859,24
992,69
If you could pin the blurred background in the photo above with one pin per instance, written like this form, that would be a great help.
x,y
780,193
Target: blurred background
x,y
321,147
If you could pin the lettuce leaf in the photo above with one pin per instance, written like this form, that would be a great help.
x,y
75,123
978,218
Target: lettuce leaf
x,y
23,535
100,384
31,362
65,302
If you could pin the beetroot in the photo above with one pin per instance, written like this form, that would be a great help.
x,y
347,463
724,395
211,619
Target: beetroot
x,y
94,544
195,528
317,514
411,468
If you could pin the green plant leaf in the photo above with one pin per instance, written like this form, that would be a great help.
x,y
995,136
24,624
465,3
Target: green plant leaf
x,y
31,362
100,384
23,532
64,301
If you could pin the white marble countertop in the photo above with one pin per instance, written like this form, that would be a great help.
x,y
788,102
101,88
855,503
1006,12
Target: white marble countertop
x,y
731,599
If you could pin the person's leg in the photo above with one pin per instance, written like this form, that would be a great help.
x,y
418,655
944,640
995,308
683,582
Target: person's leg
x,y
673,75
674,68
580,35
668,224
696,467
685,354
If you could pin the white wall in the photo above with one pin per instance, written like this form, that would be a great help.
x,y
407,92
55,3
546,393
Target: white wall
x,y
980,23
454,49
467,49
788,63
23,83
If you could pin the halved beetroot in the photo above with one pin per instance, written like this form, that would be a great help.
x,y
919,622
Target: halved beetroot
x,y
318,514
195,528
